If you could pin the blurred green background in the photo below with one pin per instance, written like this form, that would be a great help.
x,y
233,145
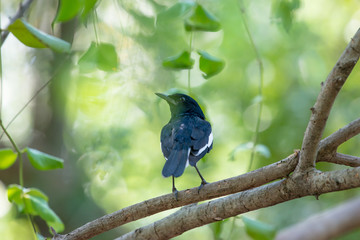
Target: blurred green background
x,y
106,124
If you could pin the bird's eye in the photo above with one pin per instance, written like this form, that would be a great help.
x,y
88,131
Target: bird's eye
x,y
182,99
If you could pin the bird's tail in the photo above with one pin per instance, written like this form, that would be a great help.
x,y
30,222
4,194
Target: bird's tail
x,y
176,163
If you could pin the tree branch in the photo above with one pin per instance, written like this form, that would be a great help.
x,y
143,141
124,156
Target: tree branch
x,y
321,109
22,8
268,195
149,207
323,226
328,146
343,159
332,142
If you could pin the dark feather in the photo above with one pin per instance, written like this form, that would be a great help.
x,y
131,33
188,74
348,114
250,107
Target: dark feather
x,y
175,165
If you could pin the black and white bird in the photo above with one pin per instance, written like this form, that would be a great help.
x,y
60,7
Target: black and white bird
x,y
186,138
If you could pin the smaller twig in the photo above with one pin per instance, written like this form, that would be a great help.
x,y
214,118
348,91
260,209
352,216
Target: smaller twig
x,y
26,104
35,95
95,23
189,70
327,151
20,170
331,143
31,220
18,152
343,159
261,80
22,8
323,226
52,230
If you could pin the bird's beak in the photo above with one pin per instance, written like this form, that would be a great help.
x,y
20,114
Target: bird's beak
x,y
166,98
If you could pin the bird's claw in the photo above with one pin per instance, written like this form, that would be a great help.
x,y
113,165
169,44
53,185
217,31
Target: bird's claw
x,y
175,191
201,185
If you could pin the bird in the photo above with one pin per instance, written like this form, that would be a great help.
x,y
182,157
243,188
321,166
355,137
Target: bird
x,y
185,139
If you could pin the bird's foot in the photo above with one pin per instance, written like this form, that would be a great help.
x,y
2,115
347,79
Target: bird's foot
x,y
175,191
203,182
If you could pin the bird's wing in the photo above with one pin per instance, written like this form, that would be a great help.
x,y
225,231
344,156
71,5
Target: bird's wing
x,y
201,140
175,144
166,140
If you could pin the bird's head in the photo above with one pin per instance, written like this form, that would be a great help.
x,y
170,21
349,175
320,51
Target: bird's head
x,y
181,104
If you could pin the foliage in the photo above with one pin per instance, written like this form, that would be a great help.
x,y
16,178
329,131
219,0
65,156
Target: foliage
x,y
33,37
31,200
101,109
102,56
258,230
7,158
196,19
34,202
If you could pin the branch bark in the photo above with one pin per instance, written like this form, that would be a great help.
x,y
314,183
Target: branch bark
x,y
321,109
22,8
328,146
323,226
149,207
268,195
344,159
332,142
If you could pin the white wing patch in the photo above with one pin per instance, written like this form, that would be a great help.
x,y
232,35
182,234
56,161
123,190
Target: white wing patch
x,y
210,139
187,160
206,146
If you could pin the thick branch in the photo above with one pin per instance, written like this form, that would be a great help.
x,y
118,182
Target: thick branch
x,y
327,225
212,190
268,195
22,8
324,102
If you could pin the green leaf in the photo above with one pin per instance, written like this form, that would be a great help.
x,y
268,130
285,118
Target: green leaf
x,y
68,9
107,57
202,20
217,228
258,230
28,194
36,193
180,61
102,56
34,202
7,158
284,11
39,206
15,195
210,65
177,10
89,5
32,37
43,161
